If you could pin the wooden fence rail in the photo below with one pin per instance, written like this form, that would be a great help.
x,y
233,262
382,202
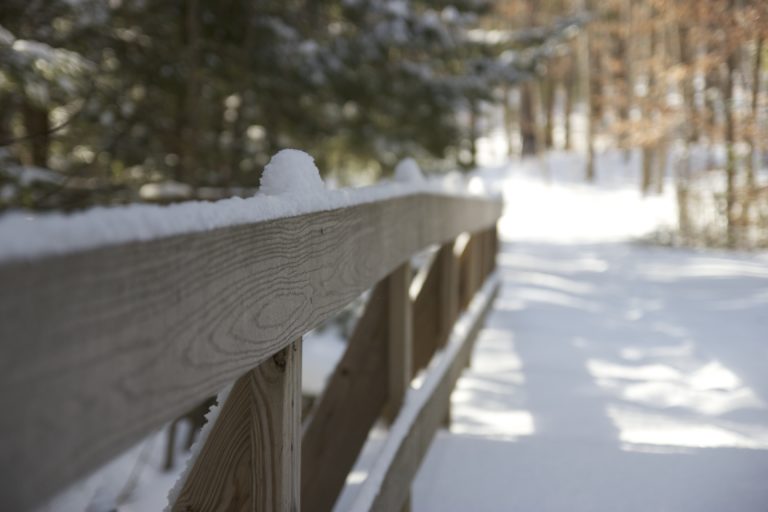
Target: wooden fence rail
x,y
99,348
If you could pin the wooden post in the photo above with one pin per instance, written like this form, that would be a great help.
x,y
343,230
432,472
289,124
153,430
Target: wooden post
x,y
448,301
449,290
400,338
403,451
470,274
400,345
482,239
426,312
251,458
464,277
475,257
489,254
494,246
352,402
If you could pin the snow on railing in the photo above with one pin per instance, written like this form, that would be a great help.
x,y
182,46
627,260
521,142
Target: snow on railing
x,y
106,338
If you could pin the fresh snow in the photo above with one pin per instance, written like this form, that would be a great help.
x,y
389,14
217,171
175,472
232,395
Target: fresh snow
x,y
30,235
291,172
27,175
165,190
408,171
6,37
321,352
611,375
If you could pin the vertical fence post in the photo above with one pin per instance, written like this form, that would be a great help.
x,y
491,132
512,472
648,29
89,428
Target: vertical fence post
x,y
492,241
475,257
448,301
487,253
400,344
251,458
352,402
449,290
400,337
482,238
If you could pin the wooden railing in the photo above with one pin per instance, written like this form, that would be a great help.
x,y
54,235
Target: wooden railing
x,y
99,348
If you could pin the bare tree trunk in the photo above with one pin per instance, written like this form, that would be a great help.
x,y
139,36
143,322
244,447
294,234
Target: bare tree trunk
x,y
37,127
509,120
7,104
683,214
621,42
570,92
549,88
648,155
661,150
528,129
690,131
713,82
662,156
474,120
754,137
688,89
730,142
187,169
588,75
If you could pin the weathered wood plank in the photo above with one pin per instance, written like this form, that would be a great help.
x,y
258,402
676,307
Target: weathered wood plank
x,y
102,346
353,400
414,431
250,460
399,338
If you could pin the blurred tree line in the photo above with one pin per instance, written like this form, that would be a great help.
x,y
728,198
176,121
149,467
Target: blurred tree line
x,y
682,80
128,100
679,83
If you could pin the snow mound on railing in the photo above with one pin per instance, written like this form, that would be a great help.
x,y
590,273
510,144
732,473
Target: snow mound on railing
x,y
408,171
291,171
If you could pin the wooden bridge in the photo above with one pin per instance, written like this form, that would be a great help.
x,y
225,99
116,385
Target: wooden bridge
x,y
103,346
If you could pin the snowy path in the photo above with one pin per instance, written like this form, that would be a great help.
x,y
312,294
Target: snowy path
x,y
610,376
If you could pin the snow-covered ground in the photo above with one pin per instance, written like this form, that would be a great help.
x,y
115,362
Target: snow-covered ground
x,y
611,375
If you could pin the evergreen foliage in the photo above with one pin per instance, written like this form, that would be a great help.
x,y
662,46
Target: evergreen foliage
x,y
110,96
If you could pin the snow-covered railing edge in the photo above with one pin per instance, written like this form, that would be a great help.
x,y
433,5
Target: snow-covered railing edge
x,y
104,345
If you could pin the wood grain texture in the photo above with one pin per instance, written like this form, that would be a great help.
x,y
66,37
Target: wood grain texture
x,y
100,347
353,400
395,487
250,460
399,338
